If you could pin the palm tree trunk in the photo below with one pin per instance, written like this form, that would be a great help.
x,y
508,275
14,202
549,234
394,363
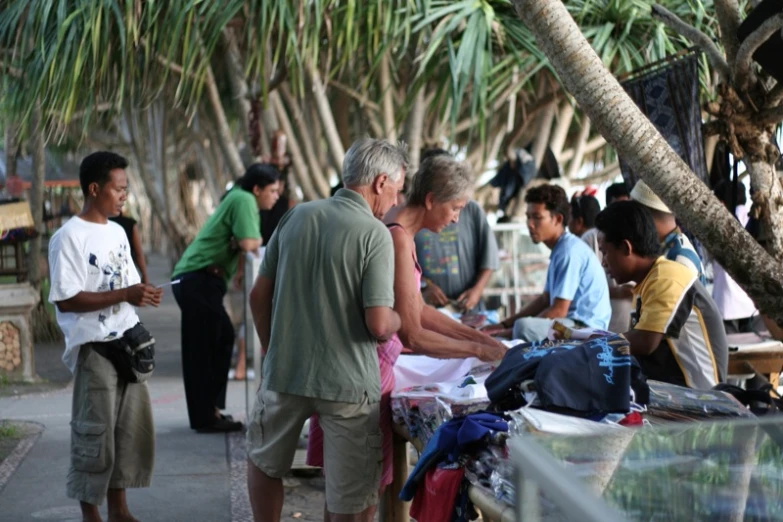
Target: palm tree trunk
x,y
564,119
36,197
579,150
387,91
616,116
336,150
299,166
414,130
44,327
225,137
11,149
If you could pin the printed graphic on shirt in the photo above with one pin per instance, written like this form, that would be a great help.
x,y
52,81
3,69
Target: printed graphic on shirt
x,y
114,274
448,262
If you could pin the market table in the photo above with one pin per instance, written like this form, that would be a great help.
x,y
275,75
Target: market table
x,y
749,353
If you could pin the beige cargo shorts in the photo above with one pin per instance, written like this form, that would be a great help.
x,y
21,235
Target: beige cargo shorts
x,y
352,444
112,433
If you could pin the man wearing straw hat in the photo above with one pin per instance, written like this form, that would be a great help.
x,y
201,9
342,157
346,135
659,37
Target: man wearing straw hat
x,y
675,244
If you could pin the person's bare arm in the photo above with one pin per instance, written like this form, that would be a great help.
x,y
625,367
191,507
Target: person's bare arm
x,y
139,259
261,308
643,342
249,245
409,304
433,320
471,297
383,322
557,310
137,295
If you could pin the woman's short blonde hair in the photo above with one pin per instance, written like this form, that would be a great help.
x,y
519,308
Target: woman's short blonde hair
x,y
444,177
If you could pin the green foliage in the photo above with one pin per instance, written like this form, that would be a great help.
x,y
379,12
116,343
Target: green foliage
x,y
71,56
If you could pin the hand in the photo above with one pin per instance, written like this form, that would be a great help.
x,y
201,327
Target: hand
x,y
492,329
491,353
434,296
144,295
469,299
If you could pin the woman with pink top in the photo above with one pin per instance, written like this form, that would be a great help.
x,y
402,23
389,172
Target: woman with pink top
x,y
440,189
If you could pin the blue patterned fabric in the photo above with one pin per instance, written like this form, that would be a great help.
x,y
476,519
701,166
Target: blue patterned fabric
x,y
669,96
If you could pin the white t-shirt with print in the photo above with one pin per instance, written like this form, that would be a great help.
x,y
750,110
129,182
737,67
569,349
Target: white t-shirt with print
x,y
90,257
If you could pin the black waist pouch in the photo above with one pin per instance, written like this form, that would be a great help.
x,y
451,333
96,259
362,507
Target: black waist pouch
x,y
133,354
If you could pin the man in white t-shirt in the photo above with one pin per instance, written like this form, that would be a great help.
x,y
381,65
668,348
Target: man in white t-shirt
x,y
94,287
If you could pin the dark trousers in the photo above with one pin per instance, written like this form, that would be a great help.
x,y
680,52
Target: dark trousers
x,y
207,343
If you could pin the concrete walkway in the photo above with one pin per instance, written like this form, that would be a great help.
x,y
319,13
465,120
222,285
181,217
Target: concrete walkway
x,y
198,477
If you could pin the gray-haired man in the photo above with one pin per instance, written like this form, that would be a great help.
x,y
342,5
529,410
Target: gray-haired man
x,y
323,299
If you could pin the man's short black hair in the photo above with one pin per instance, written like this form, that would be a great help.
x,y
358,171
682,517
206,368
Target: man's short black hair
x,y
587,208
432,152
96,167
616,190
551,196
629,221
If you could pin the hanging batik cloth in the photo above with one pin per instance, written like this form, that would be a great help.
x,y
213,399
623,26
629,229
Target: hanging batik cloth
x,y
668,94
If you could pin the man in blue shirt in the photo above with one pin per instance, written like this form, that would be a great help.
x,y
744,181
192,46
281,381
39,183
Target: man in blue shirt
x,y
575,292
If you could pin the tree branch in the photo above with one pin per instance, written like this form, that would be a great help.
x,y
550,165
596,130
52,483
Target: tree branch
x,y
361,98
774,96
742,65
703,41
728,14
770,116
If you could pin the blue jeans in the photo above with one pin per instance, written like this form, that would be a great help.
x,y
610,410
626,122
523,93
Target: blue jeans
x,y
535,328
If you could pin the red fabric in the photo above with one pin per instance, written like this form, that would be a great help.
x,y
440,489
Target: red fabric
x,y
388,352
434,500
632,419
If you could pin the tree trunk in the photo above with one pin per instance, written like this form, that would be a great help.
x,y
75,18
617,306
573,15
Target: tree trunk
x,y
225,137
297,160
767,204
543,126
387,92
579,150
414,131
336,150
564,119
38,152
44,327
617,117
236,76
11,150
314,171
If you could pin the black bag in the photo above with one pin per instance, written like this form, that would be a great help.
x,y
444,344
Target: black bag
x,y
133,354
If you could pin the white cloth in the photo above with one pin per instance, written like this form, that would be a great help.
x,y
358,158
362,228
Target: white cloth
x,y
90,257
733,303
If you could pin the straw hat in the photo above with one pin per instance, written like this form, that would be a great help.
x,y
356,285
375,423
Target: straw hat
x,y
644,194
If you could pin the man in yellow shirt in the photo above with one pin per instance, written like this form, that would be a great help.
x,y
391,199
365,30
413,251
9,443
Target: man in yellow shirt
x,y
677,332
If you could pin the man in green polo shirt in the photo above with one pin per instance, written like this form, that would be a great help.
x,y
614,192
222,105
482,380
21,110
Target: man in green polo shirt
x,y
203,272
323,299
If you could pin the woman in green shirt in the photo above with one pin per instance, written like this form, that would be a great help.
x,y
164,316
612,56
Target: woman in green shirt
x,y
204,271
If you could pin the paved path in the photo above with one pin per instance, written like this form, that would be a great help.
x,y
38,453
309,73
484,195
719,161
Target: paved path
x,y
198,477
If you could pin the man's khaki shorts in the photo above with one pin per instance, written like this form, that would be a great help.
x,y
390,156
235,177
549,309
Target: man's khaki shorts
x,y
352,444
112,433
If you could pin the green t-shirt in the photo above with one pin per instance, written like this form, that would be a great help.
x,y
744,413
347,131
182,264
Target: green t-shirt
x,y
329,260
237,217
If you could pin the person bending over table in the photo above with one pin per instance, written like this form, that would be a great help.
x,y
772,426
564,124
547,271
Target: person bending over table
x,y
677,332
440,189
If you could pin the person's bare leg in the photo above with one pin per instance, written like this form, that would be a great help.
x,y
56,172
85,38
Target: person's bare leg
x,y
90,512
118,506
240,371
266,494
365,516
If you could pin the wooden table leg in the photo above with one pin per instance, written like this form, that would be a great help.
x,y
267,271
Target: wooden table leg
x,y
394,509
774,379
